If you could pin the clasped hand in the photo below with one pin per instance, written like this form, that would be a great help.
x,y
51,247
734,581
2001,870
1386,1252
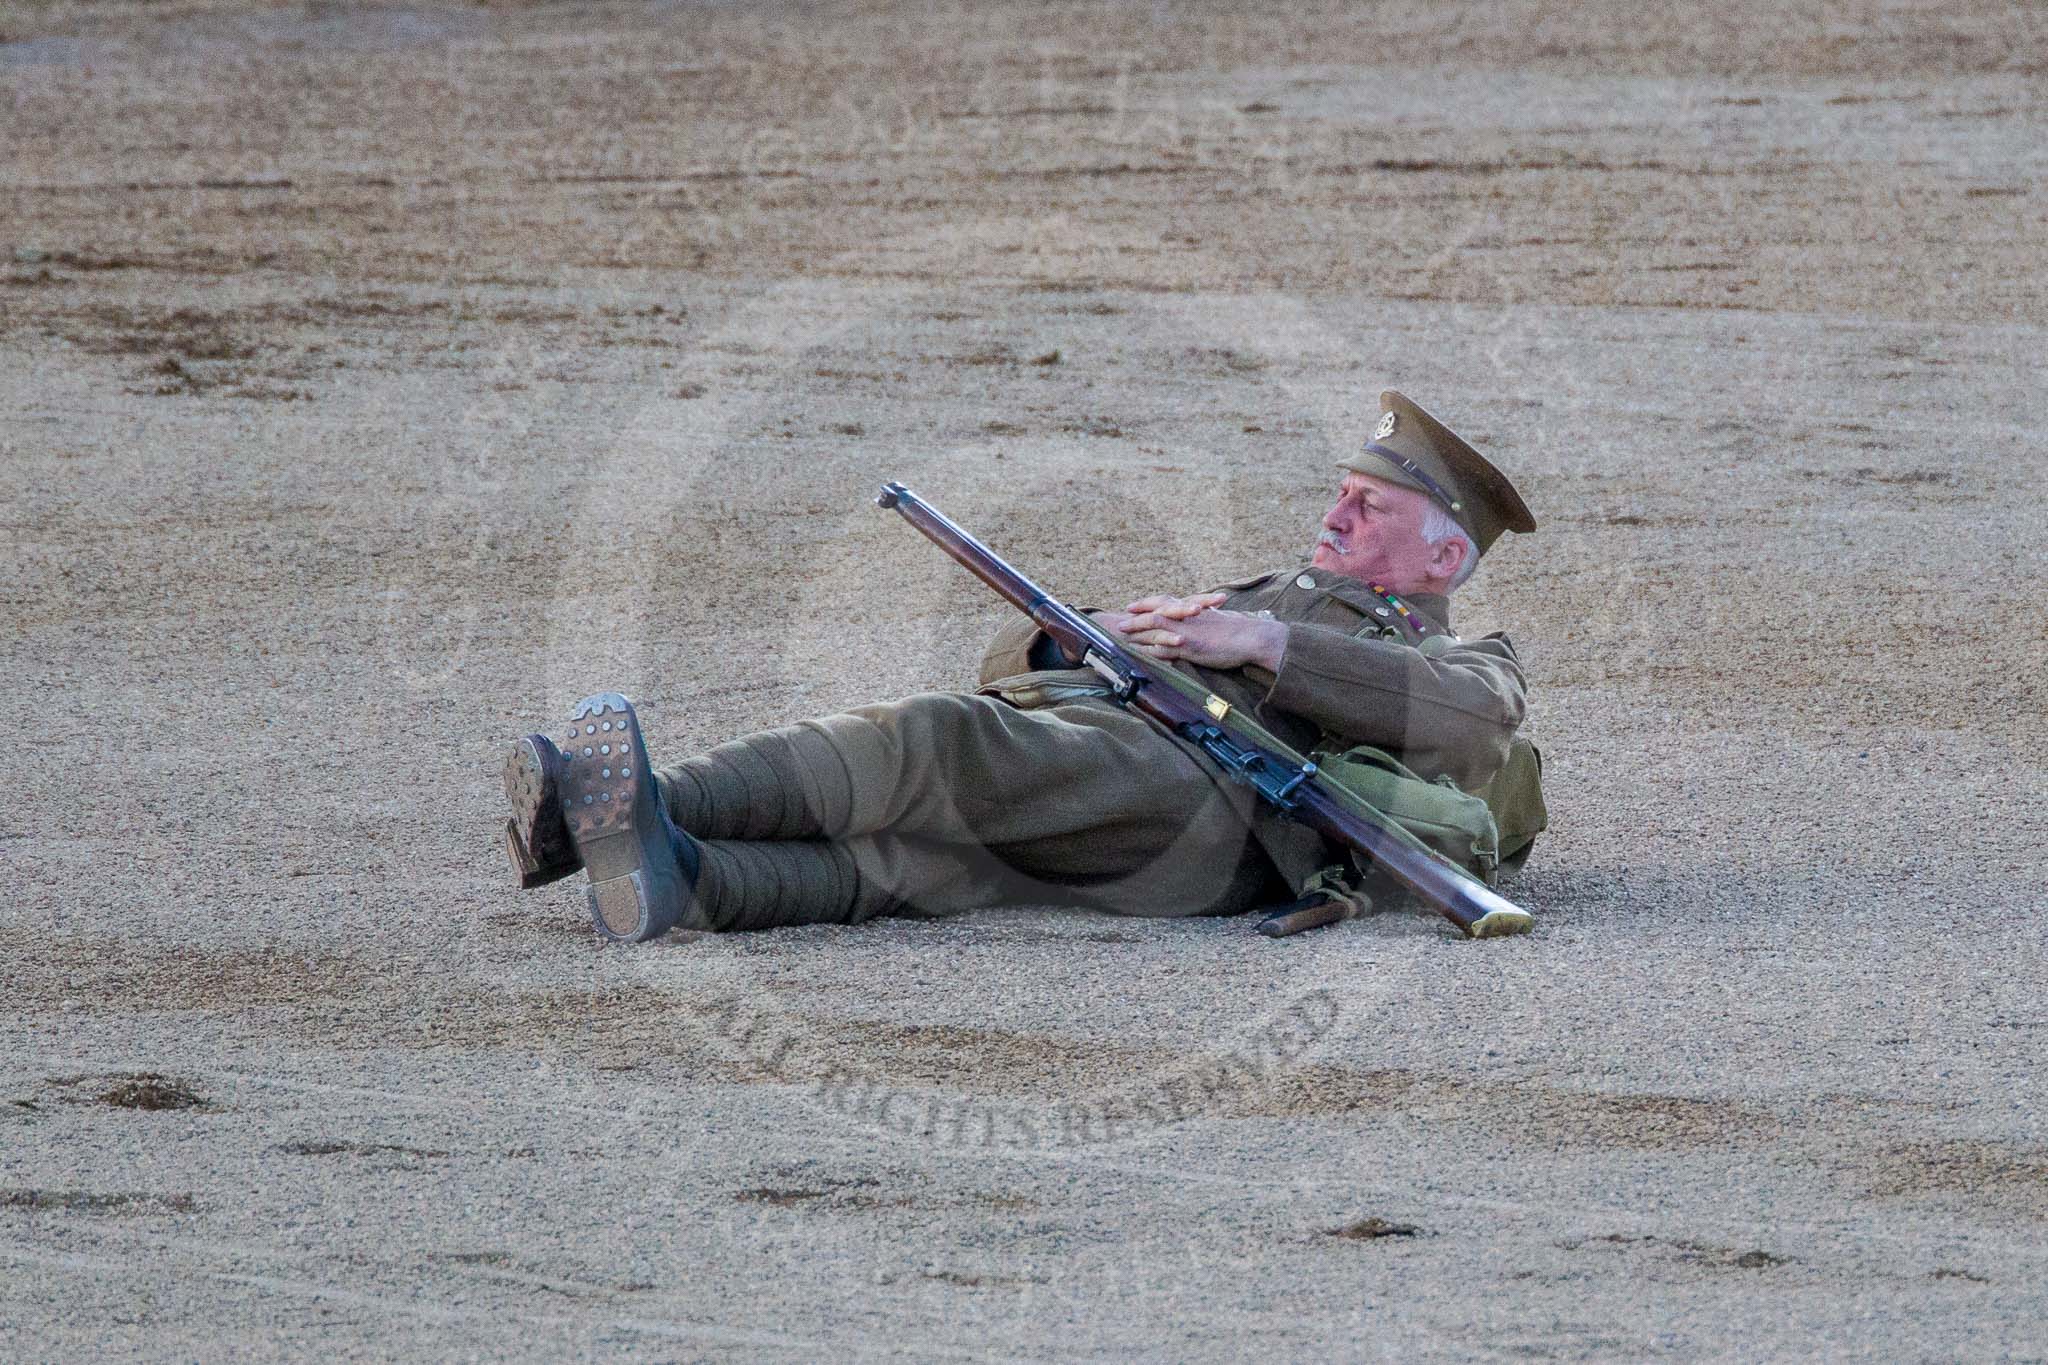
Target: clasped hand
x,y
1195,630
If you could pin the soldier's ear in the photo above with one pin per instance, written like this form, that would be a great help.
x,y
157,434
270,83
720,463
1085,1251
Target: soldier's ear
x,y
1450,556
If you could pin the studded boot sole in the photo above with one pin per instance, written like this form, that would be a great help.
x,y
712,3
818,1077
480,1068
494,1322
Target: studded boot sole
x,y
536,837
617,824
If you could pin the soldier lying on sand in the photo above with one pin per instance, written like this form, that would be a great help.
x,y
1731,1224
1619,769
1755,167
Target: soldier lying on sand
x,y
1037,788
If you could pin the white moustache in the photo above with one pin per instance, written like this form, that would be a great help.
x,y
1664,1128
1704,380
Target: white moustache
x,y
1331,539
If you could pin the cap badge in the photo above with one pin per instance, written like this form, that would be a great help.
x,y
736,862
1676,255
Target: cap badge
x,y
1386,427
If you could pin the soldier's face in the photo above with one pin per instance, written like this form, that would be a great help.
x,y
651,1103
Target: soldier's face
x,y
1374,534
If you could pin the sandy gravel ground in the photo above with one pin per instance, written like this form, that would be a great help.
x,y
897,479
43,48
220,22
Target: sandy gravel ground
x,y
374,381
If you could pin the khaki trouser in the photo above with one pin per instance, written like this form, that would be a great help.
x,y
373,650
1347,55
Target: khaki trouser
x,y
946,801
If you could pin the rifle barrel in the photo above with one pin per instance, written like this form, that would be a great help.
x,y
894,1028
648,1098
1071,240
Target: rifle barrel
x,y
1070,626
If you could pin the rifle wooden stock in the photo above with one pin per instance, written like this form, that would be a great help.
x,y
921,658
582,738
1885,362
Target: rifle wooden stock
x,y
1241,746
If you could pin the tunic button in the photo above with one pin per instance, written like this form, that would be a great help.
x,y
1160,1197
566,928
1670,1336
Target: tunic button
x,y
1304,582
1379,611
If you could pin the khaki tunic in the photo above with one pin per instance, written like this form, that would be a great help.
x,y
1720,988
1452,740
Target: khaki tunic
x,y
1351,674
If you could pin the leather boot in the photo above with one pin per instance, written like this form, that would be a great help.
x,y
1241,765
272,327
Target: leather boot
x,y
536,837
643,870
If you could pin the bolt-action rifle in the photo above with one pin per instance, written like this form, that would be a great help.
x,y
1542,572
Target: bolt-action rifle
x,y
1239,745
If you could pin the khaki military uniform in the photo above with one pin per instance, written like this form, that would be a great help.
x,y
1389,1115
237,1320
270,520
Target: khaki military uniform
x,y
1038,788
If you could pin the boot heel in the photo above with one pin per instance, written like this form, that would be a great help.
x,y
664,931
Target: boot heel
x,y
621,910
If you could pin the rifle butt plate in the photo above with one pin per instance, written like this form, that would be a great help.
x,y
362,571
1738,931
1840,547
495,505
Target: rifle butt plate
x,y
1501,923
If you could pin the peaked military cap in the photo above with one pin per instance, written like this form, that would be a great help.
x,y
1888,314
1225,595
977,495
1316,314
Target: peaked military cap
x,y
1413,449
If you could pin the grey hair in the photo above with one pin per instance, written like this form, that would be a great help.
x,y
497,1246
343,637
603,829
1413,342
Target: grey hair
x,y
1437,527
